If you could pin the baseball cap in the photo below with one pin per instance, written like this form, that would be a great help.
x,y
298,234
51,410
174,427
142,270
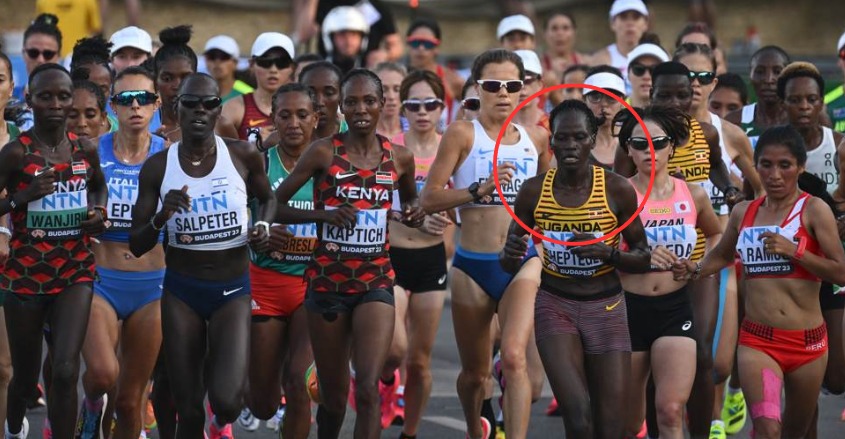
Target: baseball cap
x,y
269,40
620,6
131,37
514,23
530,61
223,43
607,81
648,49
841,42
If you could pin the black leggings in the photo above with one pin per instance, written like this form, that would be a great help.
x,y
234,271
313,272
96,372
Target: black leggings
x,y
67,315
189,341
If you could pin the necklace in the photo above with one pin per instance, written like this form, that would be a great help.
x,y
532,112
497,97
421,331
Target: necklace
x,y
204,156
52,148
125,159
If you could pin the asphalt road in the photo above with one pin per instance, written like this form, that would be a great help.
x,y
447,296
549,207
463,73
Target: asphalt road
x,y
443,418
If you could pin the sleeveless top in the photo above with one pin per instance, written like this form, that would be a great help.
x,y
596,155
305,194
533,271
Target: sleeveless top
x,y
253,118
299,249
747,124
478,165
218,216
821,161
717,198
561,222
48,251
122,181
759,264
671,222
620,61
421,168
354,260
693,161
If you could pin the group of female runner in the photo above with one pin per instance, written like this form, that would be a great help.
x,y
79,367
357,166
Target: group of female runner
x,y
295,241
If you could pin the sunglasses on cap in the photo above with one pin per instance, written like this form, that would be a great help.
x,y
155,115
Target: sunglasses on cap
x,y
193,101
471,104
217,55
35,53
704,78
639,70
423,43
414,105
494,85
281,62
641,143
125,98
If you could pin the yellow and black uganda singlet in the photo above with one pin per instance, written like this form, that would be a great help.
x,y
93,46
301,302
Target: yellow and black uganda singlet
x,y
693,162
559,222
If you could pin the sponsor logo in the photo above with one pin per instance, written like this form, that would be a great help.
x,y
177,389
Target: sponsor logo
x,y
106,164
38,233
687,325
255,122
228,292
612,307
343,175
442,280
332,247
186,239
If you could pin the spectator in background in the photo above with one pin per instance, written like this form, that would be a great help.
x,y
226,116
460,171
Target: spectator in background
x,y
629,21
382,33
79,18
560,51
835,99
700,33
423,40
221,57
345,33
516,32
131,46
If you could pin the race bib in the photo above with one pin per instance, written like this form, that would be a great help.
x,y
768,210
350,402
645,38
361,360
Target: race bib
x,y
211,220
58,216
560,259
755,260
123,192
717,198
367,237
526,167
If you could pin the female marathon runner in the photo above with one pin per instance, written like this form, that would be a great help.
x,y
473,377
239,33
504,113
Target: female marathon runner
x,y
323,78
730,94
390,124
350,296
575,75
660,315
604,108
272,63
531,114
42,43
560,54
786,241
423,39
280,349
88,118
92,54
125,310
641,63
579,316
700,33
204,182
480,287
56,197
766,65
470,102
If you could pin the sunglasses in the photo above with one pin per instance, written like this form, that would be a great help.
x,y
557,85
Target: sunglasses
x,y
495,85
414,105
193,101
423,43
596,97
35,53
704,78
471,104
530,80
126,98
217,55
641,143
639,70
281,62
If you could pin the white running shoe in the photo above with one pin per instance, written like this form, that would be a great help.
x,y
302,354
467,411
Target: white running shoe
x,y
248,421
275,423
21,434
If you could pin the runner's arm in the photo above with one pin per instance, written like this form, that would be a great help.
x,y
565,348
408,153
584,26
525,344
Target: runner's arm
x,y
744,158
724,252
313,164
257,183
706,220
540,138
821,224
143,237
97,189
510,258
11,157
454,147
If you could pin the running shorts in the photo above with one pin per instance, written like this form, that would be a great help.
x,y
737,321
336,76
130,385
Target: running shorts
x,y
652,317
420,270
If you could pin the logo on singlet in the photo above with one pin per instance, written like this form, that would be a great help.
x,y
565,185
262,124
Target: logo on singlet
x,y
255,122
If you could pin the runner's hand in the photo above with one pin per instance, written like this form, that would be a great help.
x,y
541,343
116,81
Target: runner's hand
x,y
344,216
733,197
95,224
435,224
683,269
279,237
777,244
506,171
259,239
413,216
42,184
662,258
599,250
511,256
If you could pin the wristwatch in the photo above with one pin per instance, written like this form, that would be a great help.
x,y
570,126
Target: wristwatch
x,y
473,190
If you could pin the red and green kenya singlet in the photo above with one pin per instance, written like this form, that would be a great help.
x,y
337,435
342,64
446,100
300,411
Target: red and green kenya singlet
x,y
48,251
354,260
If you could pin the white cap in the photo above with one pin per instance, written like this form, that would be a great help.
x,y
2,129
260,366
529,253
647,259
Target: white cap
x,y
131,37
841,42
225,44
607,81
647,49
514,23
269,40
530,61
620,6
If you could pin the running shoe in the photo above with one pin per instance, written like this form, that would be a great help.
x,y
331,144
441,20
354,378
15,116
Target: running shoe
x,y
399,407
312,384
387,399
46,430
643,433
352,388
486,428
717,431
90,424
37,398
733,412
553,409
248,421
21,434
500,432
275,423
222,433
150,422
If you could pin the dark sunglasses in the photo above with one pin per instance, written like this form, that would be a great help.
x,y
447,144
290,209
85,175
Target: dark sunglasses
x,y
35,53
217,55
494,85
530,80
423,43
414,105
640,70
193,101
471,104
125,98
281,62
596,97
641,143
704,78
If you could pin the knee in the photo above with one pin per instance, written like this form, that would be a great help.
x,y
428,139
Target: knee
x,y
366,394
64,373
296,393
419,367
100,378
472,378
127,407
670,413
514,361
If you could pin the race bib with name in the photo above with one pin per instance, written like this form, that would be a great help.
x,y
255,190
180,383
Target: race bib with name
x,y
58,216
560,260
367,237
123,193
755,260
526,167
211,220
300,247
